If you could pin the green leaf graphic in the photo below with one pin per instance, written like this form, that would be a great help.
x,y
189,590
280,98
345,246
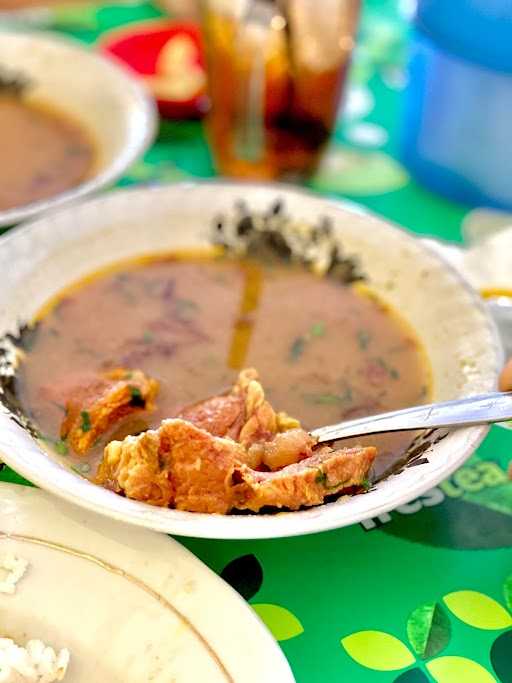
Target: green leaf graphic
x,y
280,621
412,676
163,172
478,610
377,650
428,630
451,669
501,657
359,173
507,591
244,574
68,17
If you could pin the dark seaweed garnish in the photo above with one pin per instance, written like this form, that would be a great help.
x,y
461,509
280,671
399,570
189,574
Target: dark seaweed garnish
x,y
416,453
12,349
13,84
273,234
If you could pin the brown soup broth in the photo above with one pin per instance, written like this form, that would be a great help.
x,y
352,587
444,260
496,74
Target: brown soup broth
x,y
43,152
325,351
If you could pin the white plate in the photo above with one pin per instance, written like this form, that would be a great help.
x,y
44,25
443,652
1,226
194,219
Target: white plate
x,y
461,340
110,103
131,605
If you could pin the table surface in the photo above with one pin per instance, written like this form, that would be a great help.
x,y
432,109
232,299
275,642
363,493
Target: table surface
x,y
423,593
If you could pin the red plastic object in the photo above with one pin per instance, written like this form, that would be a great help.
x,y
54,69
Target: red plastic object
x,y
169,57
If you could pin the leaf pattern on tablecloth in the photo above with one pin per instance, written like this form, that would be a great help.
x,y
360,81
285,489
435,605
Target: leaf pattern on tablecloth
x,y
507,591
377,650
358,173
244,574
458,670
144,173
280,621
412,676
478,610
428,630
501,657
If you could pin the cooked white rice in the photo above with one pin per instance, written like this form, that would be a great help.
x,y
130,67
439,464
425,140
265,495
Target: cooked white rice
x,y
16,568
35,662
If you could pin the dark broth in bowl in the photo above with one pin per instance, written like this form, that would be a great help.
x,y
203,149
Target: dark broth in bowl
x,y
43,152
325,351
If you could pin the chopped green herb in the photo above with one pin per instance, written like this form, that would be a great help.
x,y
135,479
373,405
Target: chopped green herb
x,y
297,348
136,397
211,360
392,372
321,477
299,344
317,330
83,468
186,308
86,350
329,399
58,445
86,421
363,339
322,399
61,447
148,337
365,483
128,375
347,395
135,392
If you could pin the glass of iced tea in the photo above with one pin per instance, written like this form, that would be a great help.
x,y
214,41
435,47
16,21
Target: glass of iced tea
x,y
276,70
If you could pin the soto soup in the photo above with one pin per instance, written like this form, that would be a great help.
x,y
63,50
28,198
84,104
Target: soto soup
x,y
44,152
325,351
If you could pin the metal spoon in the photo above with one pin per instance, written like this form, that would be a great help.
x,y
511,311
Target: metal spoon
x,y
475,410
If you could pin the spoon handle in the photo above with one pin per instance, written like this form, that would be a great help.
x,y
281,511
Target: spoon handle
x,y
475,410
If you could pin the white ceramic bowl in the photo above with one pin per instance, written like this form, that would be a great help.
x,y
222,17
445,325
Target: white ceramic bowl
x,y
112,106
38,260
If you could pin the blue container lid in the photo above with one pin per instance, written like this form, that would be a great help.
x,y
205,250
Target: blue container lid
x,y
477,30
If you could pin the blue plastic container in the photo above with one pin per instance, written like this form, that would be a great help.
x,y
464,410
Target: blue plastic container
x,y
457,126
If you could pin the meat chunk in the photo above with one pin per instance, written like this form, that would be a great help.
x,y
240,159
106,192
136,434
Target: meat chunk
x,y
205,460
247,417
305,483
179,465
95,406
220,415
183,466
283,449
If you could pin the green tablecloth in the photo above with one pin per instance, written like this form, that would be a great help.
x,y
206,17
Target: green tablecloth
x,y
423,593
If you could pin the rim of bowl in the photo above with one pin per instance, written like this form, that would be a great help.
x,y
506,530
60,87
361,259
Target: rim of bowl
x,y
115,169
81,492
